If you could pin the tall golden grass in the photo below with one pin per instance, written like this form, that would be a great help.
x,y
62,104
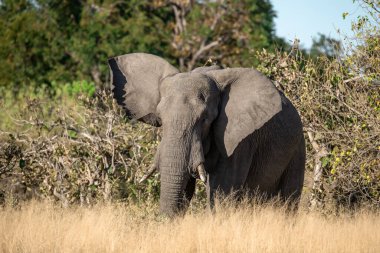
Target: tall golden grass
x,y
44,227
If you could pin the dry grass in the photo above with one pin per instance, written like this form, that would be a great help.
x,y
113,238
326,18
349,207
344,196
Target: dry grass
x,y
43,227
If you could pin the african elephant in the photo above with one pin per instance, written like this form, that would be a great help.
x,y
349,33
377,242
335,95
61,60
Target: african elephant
x,y
230,127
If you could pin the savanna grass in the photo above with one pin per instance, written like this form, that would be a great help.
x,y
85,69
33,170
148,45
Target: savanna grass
x,y
45,227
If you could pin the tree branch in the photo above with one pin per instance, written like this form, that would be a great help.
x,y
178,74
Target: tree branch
x,y
317,184
203,48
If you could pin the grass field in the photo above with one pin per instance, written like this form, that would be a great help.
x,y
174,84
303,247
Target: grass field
x,y
43,227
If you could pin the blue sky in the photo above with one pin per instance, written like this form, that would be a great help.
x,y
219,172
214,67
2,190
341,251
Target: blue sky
x,y
304,19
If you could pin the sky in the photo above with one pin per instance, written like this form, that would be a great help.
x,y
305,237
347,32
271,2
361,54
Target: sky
x,y
304,19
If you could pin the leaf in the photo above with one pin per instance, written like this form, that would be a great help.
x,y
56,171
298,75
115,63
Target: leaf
x,y
325,161
72,134
22,163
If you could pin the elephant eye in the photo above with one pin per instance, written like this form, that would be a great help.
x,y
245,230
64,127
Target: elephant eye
x,y
201,96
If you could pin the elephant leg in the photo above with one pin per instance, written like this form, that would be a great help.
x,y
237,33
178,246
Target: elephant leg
x,y
265,173
291,183
230,173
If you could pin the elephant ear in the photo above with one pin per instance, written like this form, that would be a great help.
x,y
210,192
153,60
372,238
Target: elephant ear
x,y
249,100
135,81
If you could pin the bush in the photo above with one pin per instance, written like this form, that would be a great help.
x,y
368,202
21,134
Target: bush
x,y
80,149
78,153
75,146
341,117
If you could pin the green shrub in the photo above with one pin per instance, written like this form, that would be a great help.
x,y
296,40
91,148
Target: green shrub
x,y
76,88
77,153
339,110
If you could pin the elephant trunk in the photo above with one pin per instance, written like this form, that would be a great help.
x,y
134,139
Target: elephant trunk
x,y
172,193
174,164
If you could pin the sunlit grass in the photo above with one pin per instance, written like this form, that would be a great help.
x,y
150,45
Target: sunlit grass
x,y
43,227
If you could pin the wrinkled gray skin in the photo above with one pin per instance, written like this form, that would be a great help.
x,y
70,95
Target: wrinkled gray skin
x,y
234,121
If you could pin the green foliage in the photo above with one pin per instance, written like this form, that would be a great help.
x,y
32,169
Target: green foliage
x,y
223,31
325,46
75,88
46,41
338,98
77,150
339,107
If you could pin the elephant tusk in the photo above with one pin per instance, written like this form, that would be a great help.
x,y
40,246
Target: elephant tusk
x,y
202,172
148,174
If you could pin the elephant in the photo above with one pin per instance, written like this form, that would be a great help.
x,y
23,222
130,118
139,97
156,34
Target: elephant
x,y
230,127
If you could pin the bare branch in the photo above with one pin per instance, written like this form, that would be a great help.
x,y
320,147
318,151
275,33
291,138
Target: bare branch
x,y
201,50
317,184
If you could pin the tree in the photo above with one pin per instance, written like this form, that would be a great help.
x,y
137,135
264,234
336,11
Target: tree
x,y
49,40
25,54
42,41
224,31
324,45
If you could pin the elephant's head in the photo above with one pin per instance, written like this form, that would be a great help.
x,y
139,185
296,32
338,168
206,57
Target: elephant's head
x,y
194,109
